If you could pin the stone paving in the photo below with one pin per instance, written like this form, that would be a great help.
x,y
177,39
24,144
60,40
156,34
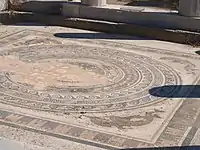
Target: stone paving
x,y
93,90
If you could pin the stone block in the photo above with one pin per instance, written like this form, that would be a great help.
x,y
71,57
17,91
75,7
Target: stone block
x,y
189,8
71,9
153,19
3,5
37,6
94,2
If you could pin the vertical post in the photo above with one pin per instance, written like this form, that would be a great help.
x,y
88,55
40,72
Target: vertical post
x,y
190,8
94,2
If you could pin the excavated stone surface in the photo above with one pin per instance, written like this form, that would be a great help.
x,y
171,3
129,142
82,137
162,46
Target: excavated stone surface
x,y
98,90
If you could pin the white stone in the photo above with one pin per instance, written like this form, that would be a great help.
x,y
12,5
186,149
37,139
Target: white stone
x,y
189,8
94,2
3,5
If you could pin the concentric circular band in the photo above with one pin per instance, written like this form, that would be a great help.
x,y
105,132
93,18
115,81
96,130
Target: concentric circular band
x,y
125,78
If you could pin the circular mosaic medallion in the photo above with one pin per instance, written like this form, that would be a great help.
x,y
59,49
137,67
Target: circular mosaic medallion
x,y
74,78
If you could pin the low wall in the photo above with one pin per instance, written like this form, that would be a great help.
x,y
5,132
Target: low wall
x,y
36,6
111,20
185,37
171,20
119,14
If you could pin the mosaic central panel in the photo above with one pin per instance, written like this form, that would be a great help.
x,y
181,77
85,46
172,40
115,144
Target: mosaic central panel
x,y
74,78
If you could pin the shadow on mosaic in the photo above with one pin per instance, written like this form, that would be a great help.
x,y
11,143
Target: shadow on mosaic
x,y
176,91
95,36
